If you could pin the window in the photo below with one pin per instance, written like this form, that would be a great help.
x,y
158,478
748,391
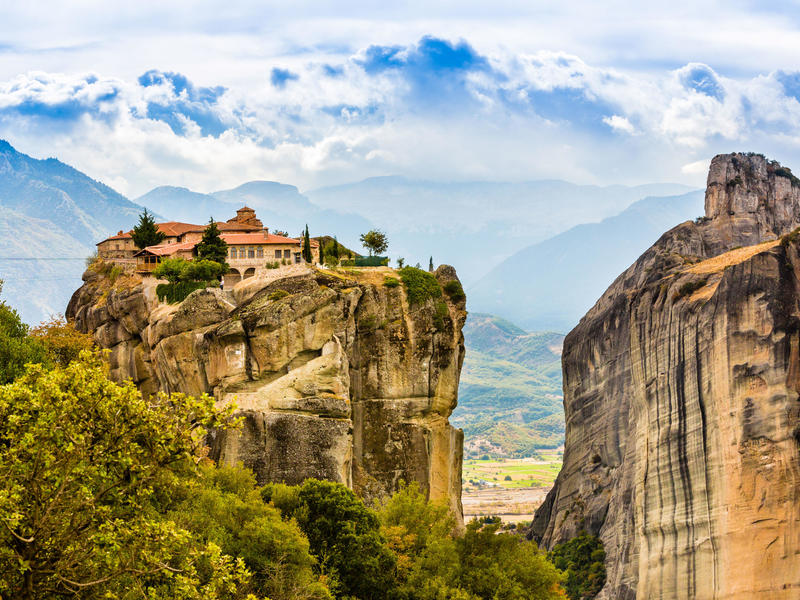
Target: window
x,y
251,252
233,252
277,253
286,253
260,252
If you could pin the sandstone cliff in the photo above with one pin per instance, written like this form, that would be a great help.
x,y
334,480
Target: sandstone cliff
x,y
337,377
681,398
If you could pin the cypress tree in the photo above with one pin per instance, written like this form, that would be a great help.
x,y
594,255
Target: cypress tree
x,y
307,247
430,265
212,246
146,233
335,248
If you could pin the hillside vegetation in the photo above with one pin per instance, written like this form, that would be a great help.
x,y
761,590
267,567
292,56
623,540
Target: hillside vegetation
x,y
510,400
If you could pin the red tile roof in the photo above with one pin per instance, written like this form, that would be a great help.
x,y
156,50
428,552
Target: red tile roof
x,y
167,249
244,239
177,228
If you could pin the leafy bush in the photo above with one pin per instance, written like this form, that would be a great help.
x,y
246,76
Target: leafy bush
x,y
582,559
371,261
689,288
174,293
454,290
440,316
62,342
391,282
787,173
420,285
16,347
348,262
331,261
790,237
272,264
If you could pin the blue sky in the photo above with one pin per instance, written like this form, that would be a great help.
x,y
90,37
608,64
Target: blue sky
x,y
210,94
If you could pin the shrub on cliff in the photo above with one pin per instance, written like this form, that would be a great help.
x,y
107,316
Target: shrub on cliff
x,y
185,276
88,467
583,560
420,285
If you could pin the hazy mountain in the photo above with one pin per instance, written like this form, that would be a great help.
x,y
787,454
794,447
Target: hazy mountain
x,y
51,215
475,225
551,285
279,206
509,398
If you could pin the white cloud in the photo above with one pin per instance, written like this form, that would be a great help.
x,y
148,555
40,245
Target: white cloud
x,y
619,123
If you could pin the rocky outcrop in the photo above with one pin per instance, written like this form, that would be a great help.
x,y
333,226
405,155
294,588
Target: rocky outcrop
x,y
336,377
681,390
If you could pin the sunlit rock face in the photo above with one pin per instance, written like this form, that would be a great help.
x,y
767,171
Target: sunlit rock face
x,y
681,397
335,378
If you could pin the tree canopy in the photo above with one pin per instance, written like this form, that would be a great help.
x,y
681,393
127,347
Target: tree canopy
x,y
375,241
86,470
212,246
146,232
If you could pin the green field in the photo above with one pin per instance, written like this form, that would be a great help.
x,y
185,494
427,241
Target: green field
x,y
522,472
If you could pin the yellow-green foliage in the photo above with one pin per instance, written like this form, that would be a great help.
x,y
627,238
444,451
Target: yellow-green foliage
x,y
86,478
391,282
689,288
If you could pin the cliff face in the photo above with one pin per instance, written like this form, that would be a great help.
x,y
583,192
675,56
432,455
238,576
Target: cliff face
x,y
336,378
681,397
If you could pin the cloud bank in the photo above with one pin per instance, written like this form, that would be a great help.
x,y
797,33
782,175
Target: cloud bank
x,y
434,108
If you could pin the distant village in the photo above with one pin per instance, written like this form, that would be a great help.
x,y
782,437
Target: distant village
x,y
250,246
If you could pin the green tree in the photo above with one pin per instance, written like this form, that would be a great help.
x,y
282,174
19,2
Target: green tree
x,y
212,246
344,535
306,252
583,560
146,232
16,347
401,262
171,269
87,467
505,566
375,241
225,507
430,265
336,250
422,535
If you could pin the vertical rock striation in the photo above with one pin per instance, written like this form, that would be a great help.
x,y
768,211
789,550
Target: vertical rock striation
x,y
681,394
336,378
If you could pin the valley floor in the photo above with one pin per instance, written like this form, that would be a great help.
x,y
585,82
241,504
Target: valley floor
x,y
511,489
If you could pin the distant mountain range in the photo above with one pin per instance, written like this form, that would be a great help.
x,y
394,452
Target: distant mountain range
x,y
475,225
510,401
51,215
279,206
551,285
471,225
